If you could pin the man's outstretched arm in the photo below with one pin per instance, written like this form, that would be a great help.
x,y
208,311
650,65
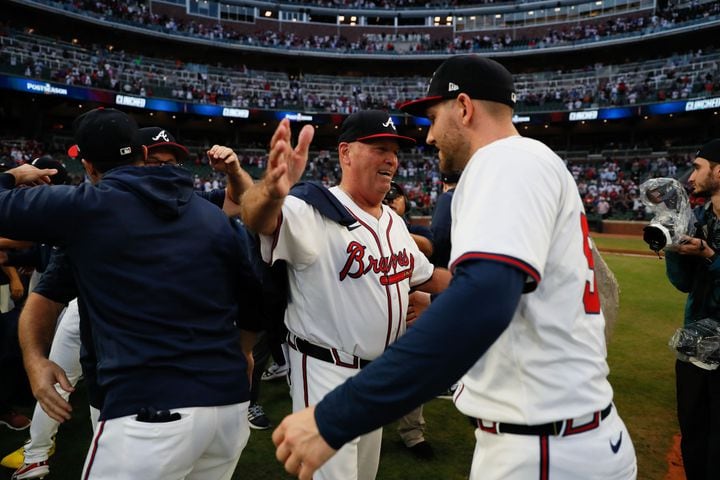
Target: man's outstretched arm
x,y
443,344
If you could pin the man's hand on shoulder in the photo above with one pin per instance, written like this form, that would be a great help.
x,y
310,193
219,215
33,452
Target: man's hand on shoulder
x,y
29,175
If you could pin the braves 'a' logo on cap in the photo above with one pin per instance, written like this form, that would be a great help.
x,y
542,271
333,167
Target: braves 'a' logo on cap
x,y
452,87
163,134
389,123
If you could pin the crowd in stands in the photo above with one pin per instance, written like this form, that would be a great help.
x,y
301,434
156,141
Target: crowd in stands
x,y
384,4
570,33
609,188
677,76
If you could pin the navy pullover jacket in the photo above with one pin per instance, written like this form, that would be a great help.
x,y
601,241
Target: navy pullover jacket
x,y
162,273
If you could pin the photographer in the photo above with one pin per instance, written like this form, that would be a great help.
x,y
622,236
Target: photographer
x,y
694,268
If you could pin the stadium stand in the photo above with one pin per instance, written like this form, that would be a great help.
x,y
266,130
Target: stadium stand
x,y
692,74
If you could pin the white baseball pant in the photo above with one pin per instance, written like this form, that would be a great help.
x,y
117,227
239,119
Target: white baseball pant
x,y
205,444
603,453
311,379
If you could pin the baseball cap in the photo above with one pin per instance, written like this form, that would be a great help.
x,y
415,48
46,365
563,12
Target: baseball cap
x,y
450,177
156,137
6,163
105,136
46,161
395,191
479,77
710,151
369,125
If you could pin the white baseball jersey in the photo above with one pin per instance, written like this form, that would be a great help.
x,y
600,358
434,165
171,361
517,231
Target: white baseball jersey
x,y
348,285
550,363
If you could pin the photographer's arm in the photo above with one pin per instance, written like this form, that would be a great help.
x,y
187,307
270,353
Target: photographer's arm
x,y
679,270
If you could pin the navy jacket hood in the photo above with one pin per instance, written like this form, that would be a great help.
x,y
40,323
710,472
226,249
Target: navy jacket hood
x,y
167,189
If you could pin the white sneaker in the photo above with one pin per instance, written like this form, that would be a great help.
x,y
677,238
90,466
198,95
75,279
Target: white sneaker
x,y
31,470
449,393
275,371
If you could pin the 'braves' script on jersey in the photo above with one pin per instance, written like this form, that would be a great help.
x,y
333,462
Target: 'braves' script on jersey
x,y
357,265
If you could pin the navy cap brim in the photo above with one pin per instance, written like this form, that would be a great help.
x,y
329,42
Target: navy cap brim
x,y
182,153
403,141
418,108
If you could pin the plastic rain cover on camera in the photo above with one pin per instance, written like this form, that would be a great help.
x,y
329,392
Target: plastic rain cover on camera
x,y
698,343
668,200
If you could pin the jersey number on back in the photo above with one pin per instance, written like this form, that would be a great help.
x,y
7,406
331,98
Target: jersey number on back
x,y
591,297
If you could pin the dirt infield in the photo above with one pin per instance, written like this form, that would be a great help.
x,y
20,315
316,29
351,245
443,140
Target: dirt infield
x,y
675,465
625,251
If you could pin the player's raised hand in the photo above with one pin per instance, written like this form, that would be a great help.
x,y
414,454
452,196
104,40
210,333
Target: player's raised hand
x,y
285,163
223,159
299,445
29,175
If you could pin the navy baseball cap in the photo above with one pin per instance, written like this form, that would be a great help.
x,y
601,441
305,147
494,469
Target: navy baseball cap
x,y
6,163
46,161
106,136
395,191
369,125
156,137
479,77
450,177
710,151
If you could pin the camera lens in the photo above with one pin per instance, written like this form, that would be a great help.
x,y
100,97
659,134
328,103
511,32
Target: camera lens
x,y
657,237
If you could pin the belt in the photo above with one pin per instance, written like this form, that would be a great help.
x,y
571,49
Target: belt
x,y
559,428
330,355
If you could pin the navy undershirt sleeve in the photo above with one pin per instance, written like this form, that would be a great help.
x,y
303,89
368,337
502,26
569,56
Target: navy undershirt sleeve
x,y
442,345
7,180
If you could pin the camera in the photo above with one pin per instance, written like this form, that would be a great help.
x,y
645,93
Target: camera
x,y
698,342
668,200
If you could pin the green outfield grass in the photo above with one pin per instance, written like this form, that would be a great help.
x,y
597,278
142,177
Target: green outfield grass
x,y
642,375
